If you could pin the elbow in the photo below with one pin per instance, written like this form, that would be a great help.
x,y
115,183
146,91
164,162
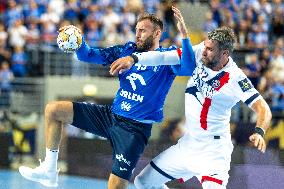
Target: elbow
x,y
80,57
269,114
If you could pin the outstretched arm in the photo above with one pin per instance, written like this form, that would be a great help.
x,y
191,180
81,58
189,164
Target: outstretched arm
x,y
187,63
182,61
96,55
89,55
263,120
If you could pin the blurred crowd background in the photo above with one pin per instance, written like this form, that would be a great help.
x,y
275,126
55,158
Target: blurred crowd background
x,y
29,57
27,26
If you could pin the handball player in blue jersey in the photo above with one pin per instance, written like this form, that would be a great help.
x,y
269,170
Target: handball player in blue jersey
x,y
137,105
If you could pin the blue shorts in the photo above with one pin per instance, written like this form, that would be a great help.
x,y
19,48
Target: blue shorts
x,y
127,137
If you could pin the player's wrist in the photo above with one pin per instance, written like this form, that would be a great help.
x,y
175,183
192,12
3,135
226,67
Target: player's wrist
x,y
135,58
185,35
259,131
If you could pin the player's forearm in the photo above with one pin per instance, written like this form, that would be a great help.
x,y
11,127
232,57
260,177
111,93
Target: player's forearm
x,y
263,114
89,55
184,58
187,62
157,58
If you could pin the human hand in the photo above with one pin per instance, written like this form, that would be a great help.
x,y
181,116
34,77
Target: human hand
x,y
121,65
180,22
258,142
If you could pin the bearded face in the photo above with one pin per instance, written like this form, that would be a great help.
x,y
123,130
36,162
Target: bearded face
x,y
145,35
211,55
211,62
146,44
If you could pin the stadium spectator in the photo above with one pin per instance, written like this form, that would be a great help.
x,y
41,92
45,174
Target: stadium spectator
x,y
252,69
6,76
93,35
13,13
264,60
258,38
33,35
215,8
277,94
110,21
4,52
17,34
71,10
242,34
127,18
19,61
210,24
31,12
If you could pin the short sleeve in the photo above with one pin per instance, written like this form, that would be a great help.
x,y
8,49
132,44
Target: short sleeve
x,y
245,91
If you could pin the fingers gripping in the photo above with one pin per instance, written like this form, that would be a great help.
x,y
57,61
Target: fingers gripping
x,y
69,26
120,65
258,142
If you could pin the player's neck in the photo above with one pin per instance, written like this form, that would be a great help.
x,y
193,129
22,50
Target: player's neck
x,y
155,46
221,65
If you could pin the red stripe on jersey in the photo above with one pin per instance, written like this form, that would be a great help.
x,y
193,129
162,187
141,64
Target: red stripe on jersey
x,y
207,102
212,179
223,80
204,112
179,52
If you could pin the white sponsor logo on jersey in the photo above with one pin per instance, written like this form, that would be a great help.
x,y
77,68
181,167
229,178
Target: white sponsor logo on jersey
x,y
133,77
125,106
131,96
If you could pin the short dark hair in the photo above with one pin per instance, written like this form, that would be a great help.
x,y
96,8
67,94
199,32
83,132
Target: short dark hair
x,y
224,36
153,18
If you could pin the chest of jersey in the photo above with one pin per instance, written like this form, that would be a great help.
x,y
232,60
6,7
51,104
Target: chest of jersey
x,y
208,82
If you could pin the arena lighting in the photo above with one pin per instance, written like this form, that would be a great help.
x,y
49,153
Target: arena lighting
x,y
90,90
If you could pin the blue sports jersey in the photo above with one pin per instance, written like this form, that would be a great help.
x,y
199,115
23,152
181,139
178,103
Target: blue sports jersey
x,y
143,89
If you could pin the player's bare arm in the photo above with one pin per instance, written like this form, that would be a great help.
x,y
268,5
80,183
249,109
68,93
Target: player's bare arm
x,y
180,22
263,121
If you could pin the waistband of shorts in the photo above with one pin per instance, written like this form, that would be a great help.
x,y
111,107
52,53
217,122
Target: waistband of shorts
x,y
207,137
132,121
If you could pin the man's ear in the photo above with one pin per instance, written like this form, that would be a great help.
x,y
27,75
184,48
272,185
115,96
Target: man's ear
x,y
158,33
226,52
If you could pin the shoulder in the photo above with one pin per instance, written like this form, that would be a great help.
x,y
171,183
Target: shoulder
x,y
126,46
198,49
239,77
172,47
199,46
129,45
235,72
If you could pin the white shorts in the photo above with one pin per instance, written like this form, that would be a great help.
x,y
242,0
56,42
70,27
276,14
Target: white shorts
x,y
208,160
